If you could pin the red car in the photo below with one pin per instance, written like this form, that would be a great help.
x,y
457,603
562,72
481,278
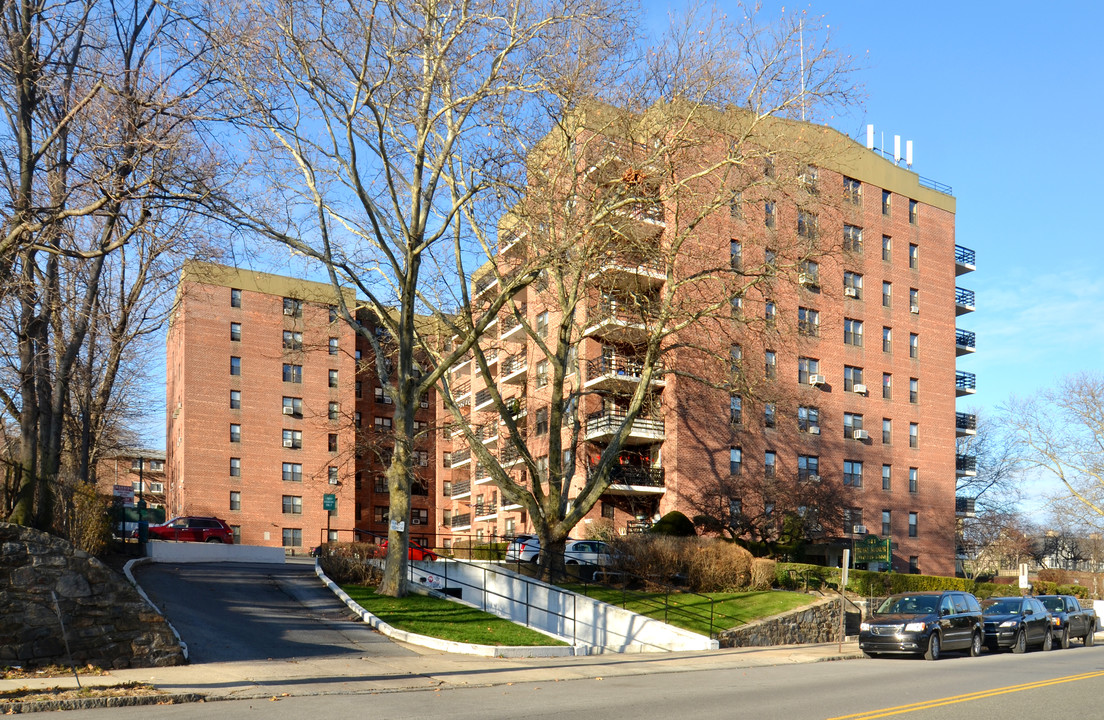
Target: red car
x,y
193,529
415,551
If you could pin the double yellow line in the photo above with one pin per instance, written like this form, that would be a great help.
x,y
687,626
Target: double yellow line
x,y
940,702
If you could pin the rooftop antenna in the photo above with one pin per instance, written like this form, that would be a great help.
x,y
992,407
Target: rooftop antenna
x,y
870,136
896,149
908,153
801,46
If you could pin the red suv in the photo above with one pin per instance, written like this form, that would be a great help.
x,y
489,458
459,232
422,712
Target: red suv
x,y
193,529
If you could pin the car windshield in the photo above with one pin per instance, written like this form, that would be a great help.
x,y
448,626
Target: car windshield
x,y
1002,607
1053,604
910,604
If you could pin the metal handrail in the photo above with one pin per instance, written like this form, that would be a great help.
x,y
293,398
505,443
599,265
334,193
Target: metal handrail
x,y
613,419
618,365
633,475
966,463
965,421
460,520
461,487
965,380
964,255
964,338
964,297
935,185
460,455
514,363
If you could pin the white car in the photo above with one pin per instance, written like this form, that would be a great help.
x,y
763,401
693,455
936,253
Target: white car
x,y
586,552
523,548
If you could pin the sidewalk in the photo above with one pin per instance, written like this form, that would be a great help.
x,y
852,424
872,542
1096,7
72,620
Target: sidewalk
x,y
428,670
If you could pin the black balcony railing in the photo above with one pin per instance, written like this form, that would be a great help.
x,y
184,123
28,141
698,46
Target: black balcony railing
x,y
483,397
965,380
964,338
634,475
485,509
510,321
508,455
486,432
461,389
964,297
965,421
461,520
966,463
610,421
461,455
461,487
618,365
513,364
485,282
965,505
964,256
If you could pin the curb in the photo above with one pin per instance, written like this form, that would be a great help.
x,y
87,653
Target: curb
x,y
95,703
450,646
130,576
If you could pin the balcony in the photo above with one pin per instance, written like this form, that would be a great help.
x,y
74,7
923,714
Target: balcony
x,y
966,465
461,488
509,457
485,511
483,398
965,424
965,507
603,425
511,326
514,369
487,433
461,457
964,301
631,273
633,480
617,321
965,383
461,390
617,372
461,522
482,474
516,407
964,342
964,260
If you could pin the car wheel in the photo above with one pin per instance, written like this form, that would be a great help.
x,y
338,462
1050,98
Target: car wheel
x,y
1020,646
1063,639
1048,641
933,647
975,645
213,539
1090,636
869,654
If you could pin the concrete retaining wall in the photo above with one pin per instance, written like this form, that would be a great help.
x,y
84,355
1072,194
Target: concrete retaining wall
x,y
816,623
195,552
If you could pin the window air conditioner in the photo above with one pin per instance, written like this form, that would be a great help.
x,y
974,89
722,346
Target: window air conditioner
x,y
858,529
860,434
814,477
289,311
915,309
289,443
814,429
806,279
850,292
816,379
859,388
334,481
288,410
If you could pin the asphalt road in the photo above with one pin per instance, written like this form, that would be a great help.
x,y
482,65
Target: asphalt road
x,y
258,612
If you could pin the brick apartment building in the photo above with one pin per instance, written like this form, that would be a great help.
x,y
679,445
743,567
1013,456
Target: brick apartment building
x,y
141,472
862,395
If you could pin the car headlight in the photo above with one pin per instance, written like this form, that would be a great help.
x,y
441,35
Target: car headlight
x,y
1010,623
865,627
1056,620
915,627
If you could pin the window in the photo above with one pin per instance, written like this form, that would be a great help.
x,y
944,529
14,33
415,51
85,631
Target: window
x,y
293,373
334,411
808,468
809,179
887,478
235,500
914,212
609,510
333,313
852,284
769,312
235,530
914,300
735,206
914,256
736,254
852,238
420,458
810,273
235,399
852,191
358,480
542,324
293,307
808,321
333,346
542,467
770,258
736,409
333,378
768,167
887,516
235,467
380,513
887,294
887,339
735,354
852,332
293,439
419,516
768,214
913,521
735,460
293,406
292,340
381,484
852,473
358,388
805,368
542,421
852,376
887,431
914,564
293,537
235,297
292,472
887,247
914,345
235,366
886,195
542,373
914,390
887,386
914,480
769,414
851,423
737,305
914,435
331,475
235,331
770,364
331,442
769,463
235,433
806,225
293,505
808,419
382,396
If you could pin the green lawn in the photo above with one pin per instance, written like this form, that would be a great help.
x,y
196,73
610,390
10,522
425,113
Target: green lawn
x,y
691,611
445,619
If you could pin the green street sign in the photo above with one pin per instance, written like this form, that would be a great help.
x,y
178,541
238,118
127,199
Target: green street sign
x,y
329,501
871,549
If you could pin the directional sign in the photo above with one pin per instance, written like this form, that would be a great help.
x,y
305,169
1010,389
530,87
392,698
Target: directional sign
x,y
329,501
870,549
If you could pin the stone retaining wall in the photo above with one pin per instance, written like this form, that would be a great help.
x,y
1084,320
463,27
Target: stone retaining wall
x,y
816,623
107,622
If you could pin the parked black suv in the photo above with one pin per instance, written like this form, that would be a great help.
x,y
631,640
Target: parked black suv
x,y
924,623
